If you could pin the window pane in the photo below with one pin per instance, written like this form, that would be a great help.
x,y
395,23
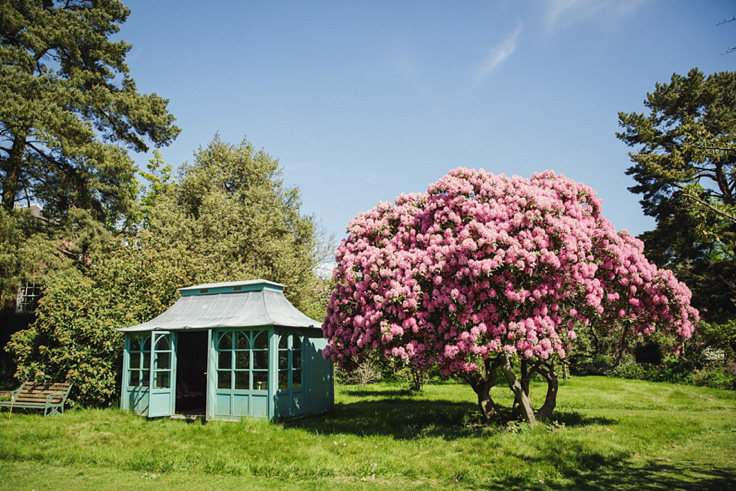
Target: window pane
x,y
284,342
242,359
261,341
162,380
296,378
283,360
147,343
283,379
225,359
146,360
136,344
135,360
297,359
135,378
162,343
242,380
223,379
242,340
260,380
163,361
297,342
260,359
226,342
146,378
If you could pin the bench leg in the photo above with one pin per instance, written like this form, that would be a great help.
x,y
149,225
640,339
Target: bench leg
x,y
51,411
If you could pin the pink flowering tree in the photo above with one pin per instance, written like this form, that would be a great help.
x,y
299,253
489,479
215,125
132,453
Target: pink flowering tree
x,y
491,277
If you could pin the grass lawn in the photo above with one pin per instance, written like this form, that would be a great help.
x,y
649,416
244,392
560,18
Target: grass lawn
x,y
606,434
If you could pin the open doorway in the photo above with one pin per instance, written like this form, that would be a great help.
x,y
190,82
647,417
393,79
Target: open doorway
x,y
191,380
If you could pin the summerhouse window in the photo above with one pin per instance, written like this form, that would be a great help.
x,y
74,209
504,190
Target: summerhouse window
x,y
290,361
242,360
296,367
163,365
140,360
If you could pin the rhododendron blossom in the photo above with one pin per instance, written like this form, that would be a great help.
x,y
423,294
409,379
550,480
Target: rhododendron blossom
x,y
483,265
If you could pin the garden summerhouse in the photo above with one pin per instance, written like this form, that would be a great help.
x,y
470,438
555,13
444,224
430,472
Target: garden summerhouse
x,y
227,351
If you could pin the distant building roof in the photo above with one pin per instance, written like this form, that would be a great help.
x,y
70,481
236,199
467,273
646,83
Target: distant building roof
x,y
234,304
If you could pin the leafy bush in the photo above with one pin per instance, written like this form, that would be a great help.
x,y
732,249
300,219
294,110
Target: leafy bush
x,y
74,337
723,377
680,371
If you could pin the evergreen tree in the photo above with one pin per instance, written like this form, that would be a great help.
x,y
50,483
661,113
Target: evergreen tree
x,y
685,174
69,109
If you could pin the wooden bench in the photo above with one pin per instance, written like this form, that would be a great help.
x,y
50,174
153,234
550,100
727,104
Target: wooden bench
x,y
50,397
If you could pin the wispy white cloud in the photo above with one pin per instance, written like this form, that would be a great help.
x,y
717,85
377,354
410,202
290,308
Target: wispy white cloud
x,y
407,67
498,54
563,13
301,165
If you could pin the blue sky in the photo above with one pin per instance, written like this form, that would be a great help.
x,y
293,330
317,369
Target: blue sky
x,y
361,101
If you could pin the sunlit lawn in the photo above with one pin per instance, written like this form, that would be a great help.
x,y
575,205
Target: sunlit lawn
x,y
606,434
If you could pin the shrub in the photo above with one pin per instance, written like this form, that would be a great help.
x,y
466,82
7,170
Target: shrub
x,y
74,337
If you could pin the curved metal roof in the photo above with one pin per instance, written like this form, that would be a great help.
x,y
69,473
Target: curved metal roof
x,y
234,304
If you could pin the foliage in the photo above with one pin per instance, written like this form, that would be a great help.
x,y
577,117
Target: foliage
x,y
609,434
27,252
681,371
74,337
718,377
66,101
161,182
315,301
708,359
368,371
685,174
482,268
232,207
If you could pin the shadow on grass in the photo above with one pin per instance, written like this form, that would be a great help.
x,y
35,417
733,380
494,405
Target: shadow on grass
x,y
398,393
409,418
597,473
573,418
403,419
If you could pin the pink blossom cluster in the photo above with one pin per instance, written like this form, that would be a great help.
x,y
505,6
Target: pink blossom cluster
x,y
483,264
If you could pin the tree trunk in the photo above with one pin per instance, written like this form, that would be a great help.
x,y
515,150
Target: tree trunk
x,y
482,385
11,183
521,398
488,409
550,401
526,376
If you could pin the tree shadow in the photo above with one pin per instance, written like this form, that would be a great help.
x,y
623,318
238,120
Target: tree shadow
x,y
405,418
402,419
399,393
594,472
573,418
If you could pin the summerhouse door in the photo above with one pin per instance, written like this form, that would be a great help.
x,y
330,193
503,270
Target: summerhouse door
x,y
163,374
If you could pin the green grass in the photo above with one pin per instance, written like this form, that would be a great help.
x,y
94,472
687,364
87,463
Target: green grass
x,y
606,434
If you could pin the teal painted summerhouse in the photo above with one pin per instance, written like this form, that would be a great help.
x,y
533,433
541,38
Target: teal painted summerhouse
x,y
226,351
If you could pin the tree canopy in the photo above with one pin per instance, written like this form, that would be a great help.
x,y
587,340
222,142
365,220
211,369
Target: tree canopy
x,y
482,272
69,109
685,151
232,207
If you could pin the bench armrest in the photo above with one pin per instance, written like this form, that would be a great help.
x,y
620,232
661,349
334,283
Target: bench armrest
x,y
56,394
